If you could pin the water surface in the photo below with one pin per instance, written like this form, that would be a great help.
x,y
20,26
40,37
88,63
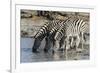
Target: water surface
x,y
27,56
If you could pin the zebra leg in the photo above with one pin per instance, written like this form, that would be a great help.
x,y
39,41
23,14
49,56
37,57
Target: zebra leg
x,y
82,41
62,44
67,43
37,43
77,43
48,44
56,46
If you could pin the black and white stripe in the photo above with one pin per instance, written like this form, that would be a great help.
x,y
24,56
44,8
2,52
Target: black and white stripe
x,y
72,28
47,31
75,27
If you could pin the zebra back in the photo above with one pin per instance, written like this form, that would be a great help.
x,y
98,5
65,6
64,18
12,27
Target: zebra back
x,y
75,26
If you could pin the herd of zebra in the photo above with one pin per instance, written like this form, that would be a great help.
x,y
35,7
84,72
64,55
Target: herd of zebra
x,y
62,34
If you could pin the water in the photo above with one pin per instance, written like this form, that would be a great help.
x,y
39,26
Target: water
x,y
28,57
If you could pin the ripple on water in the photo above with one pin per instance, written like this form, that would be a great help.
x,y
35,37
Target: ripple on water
x,y
27,56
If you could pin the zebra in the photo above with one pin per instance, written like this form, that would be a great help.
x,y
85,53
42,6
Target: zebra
x,y
47,31
73,30
60,37
76,29
53,29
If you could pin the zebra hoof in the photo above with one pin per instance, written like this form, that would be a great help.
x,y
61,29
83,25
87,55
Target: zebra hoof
x,y
35,51
79,50
53,51
45,50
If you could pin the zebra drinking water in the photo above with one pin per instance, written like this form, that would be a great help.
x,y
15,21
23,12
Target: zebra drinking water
x,y
74,30
47,31
67,34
